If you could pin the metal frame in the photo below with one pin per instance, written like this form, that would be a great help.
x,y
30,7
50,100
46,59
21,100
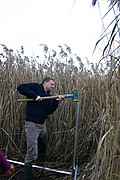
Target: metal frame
x,y
75,167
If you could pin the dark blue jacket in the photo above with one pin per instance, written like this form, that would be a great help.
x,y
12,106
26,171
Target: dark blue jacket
x,y
37,111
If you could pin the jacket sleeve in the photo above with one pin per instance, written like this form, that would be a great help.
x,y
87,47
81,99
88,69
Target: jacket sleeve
x,y
4,164
28,90
51,105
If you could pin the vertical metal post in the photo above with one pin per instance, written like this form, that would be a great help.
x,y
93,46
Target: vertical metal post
x,y
75,140
76,169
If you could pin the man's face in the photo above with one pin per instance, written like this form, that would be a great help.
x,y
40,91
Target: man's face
x,y
49,85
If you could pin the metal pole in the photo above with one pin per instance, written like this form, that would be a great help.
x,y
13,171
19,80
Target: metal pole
x,y
76,169
75,141
41,167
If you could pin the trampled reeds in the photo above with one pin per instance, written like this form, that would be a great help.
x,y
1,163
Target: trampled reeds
x,y
98,143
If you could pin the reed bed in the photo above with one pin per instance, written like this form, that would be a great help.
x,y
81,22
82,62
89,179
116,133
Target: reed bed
x,y
98,143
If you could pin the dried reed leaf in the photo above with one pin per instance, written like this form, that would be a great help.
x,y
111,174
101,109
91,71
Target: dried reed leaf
x,y
110,38
112,41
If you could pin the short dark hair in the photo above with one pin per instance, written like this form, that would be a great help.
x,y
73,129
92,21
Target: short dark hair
x,y
47,79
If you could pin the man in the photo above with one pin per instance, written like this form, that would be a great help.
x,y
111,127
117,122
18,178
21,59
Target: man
x,y
36,113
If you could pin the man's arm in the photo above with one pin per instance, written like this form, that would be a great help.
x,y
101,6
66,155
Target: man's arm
x,y
28,90
53,104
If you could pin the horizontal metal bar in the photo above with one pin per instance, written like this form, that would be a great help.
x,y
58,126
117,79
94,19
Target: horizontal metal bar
x,y
41,167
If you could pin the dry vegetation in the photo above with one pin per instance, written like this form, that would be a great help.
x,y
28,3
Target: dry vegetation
x,y
98,144
98,148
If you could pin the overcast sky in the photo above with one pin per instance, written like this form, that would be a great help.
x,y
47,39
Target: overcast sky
x,y
52,22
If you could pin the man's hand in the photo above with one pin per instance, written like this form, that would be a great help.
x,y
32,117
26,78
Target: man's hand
x,y
60,97
10,171
38,98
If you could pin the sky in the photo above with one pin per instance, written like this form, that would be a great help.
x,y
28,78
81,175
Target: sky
x,y
29,23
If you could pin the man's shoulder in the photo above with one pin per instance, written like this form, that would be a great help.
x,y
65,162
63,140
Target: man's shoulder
x,y
40,86
36,84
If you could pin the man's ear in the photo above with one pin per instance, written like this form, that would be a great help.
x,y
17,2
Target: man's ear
x,y
44,82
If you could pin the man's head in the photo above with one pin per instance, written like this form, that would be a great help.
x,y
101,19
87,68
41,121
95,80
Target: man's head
x,y
48,84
